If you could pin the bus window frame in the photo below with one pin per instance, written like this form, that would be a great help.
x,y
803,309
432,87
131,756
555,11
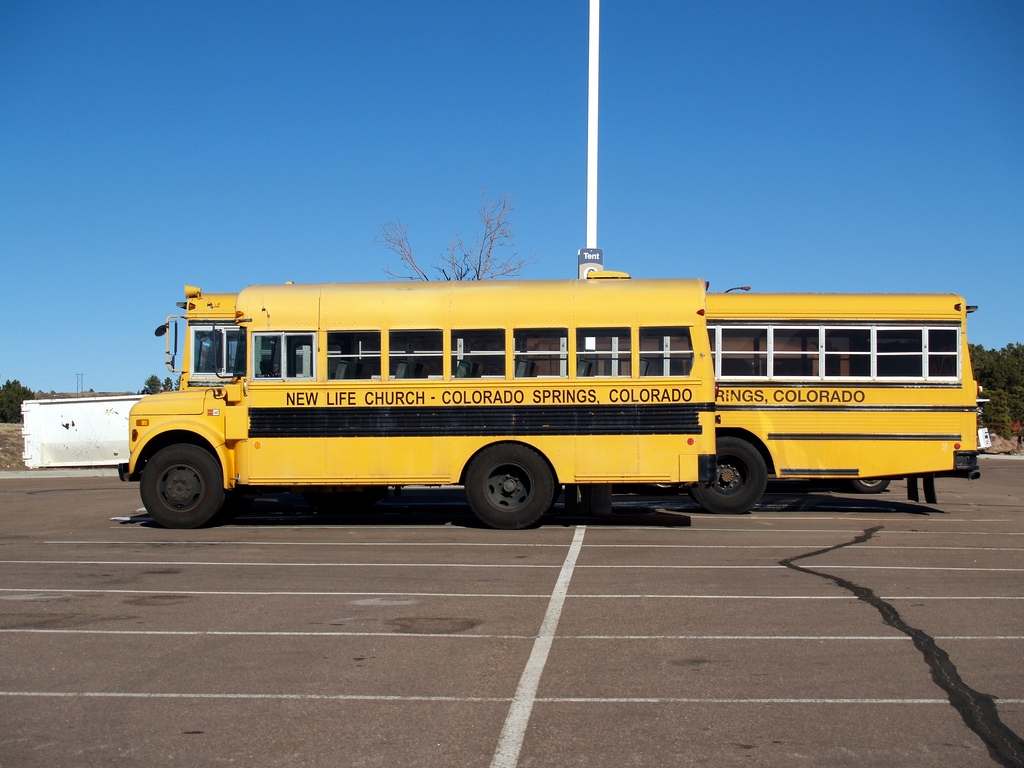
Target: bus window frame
x,y
924,354
666,354
222,332
283,354
523,358
616,357
476,360
407,357
359,359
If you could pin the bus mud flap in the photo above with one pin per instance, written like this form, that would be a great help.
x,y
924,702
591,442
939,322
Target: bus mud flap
x,y
928,481
912,488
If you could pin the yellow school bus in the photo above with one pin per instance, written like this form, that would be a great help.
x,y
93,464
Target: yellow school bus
x,y
211,338
510,388
863,387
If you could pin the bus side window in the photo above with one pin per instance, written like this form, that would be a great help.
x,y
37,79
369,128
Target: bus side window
x,y
795,352
744,352
943,352
299,356
213,351
898,353
353,355
415,354
848,352
602,352
478,354
230,345
205,352
665,352
541,352
266,356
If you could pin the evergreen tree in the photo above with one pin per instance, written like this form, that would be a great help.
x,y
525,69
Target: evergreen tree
x,y
12,395
1001,375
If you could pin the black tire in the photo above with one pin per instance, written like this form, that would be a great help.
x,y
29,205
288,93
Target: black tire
x,y
509,486
182,487
869,484
739,482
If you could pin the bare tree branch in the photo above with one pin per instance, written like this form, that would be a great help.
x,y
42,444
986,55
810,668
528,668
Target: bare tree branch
x,y
396,239
491,256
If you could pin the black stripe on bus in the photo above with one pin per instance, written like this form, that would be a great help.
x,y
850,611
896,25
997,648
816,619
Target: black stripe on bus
x,y
852,436
819,472
771,408
841,384
473,421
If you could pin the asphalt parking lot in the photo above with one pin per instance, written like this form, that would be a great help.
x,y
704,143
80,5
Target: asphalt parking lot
x,y
824,629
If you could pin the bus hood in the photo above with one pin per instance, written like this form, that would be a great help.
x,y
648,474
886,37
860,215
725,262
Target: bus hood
x,y
186,402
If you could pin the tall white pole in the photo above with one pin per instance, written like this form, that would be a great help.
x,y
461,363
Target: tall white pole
x,y
595,37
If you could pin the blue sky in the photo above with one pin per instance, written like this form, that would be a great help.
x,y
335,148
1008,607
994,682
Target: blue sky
x,y
804,146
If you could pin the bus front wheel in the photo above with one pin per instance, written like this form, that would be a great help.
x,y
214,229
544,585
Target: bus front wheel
x,y
182,487
509,486
739,481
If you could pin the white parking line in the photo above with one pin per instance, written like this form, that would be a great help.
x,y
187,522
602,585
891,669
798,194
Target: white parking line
x,y
259,593
194,542
680,700
687,567
511,741
794,597
21,592
273,564
439,635
524,545
817,566
258,696
252,633
460,699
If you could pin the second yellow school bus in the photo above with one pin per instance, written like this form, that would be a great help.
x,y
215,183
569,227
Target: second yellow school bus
x,y
863,387
510,388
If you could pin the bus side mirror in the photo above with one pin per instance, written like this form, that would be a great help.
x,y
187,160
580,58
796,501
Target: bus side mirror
x,y
161,330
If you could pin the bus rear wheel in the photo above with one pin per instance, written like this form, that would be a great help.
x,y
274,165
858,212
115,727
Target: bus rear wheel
x,y
739,481
509,486
869,484
182,487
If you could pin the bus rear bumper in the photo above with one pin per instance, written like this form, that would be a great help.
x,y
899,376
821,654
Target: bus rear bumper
x,y
965,464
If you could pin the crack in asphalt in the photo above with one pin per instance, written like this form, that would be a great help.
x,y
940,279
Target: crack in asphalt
x,y
978,710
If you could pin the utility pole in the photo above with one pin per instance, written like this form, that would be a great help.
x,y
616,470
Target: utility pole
x,y
591,258
594,498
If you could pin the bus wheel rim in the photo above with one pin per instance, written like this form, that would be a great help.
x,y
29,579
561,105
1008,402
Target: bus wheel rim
x,y
182,487
509,487
730,476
